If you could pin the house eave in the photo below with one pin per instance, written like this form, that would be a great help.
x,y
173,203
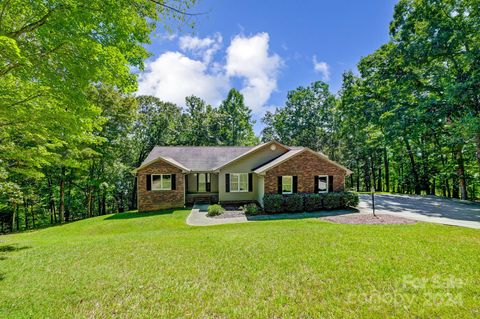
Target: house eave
x,y
184,169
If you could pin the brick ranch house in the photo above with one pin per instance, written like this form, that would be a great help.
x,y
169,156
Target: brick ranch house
x,y
175,176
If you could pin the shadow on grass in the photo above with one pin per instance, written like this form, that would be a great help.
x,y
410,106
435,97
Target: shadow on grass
x,y
11,248
130,215
325,213
2,276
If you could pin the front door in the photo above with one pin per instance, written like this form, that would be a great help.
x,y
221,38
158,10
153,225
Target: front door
x,y
203,182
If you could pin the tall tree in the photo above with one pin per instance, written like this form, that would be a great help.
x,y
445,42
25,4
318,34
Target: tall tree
x,y
306,119
236,120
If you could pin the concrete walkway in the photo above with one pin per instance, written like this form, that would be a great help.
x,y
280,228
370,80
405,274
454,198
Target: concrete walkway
x,y
198,216
425,208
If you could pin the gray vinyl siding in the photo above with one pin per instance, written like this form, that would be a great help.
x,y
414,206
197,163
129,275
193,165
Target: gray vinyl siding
x,y
260,188
246,165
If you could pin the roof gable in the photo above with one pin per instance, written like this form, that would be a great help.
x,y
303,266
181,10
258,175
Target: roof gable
x,y
251,151
292,153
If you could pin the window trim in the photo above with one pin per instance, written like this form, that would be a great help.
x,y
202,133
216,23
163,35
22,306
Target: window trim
x,y
318,184
161,182
238,190
291,184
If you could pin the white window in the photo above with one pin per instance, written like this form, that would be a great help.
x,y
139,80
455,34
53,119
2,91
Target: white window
x,y
239,182
287,184
323,184
162,182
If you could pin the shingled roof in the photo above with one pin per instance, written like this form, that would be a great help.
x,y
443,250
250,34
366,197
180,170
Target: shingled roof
x,y
197,158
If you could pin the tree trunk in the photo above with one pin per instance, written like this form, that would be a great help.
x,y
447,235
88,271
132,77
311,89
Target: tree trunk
x,y
461,172
25,211
133,200
32,213
61,210
18,218
89,201
387,170
121,207
414,167
104,208
99,204
68,202
358,177
51,202
14,216
477,141
379,183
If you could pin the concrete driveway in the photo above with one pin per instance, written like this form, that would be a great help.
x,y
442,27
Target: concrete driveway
x,y
425,208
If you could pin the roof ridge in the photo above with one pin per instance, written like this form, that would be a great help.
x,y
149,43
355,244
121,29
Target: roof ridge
x,y
201,146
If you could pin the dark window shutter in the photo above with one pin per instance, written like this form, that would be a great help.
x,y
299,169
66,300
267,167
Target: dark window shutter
x,y
185,178
174,181
198,178
250,182
294,186
279,184
149,182
227,183
330,183
315,185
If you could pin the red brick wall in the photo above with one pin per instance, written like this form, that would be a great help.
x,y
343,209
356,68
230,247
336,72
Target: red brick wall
x,y
155,200
305,166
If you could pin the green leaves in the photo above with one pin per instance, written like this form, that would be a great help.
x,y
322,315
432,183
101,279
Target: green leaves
x,y
236,121
307,118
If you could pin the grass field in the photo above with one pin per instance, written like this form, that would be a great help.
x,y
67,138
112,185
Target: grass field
x,y
155,266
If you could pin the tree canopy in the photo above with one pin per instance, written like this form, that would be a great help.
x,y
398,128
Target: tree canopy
x,y
71,129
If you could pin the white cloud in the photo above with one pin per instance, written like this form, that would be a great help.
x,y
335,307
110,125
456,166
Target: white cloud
x,y
195,70
204,47
173,76
249,59
321,67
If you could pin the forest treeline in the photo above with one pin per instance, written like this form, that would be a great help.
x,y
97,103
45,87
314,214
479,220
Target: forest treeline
x,y
409,121
72,129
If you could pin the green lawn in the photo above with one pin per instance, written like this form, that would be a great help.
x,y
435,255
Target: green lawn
x,y
155,266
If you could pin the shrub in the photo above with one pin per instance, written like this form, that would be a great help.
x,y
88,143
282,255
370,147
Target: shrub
x,y
292,203
332,200
272,203
251,209
275,203
313,202
215,210
351,199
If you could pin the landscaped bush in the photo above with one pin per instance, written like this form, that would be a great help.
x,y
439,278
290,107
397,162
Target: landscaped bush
x,y
275,203
251,209
292,203
272,203
351,199
332,200
312,202
215,210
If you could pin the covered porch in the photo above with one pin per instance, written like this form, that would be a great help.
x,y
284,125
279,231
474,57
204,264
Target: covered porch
x,y
201,187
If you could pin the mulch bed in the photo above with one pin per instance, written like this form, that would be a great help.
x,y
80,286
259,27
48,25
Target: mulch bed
x,y
368,219
229,214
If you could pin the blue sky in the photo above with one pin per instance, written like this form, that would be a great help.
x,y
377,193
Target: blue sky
x,y
264,49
